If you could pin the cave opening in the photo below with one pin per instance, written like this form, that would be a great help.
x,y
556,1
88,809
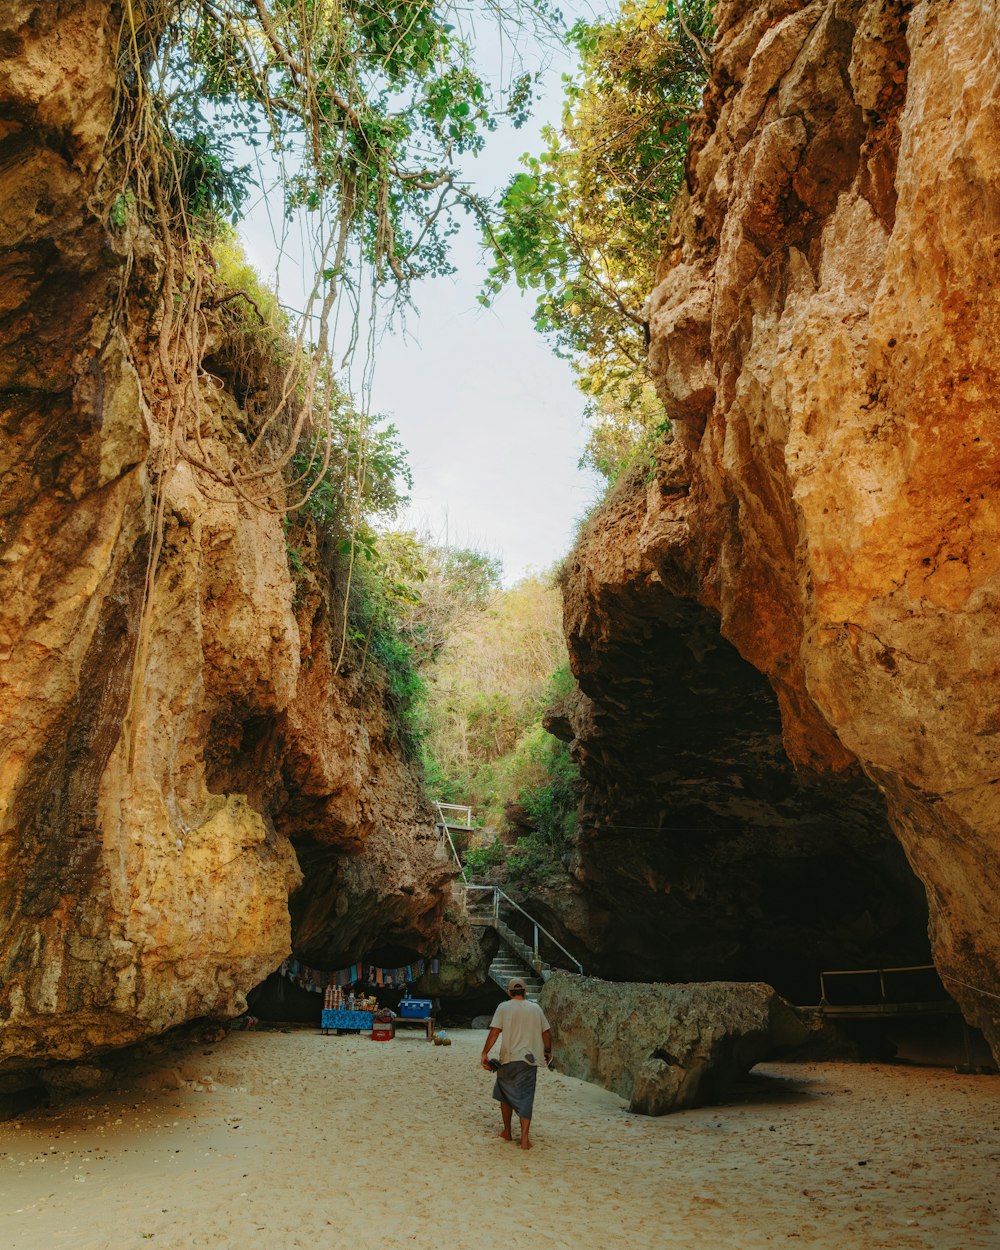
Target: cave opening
x,y
703,854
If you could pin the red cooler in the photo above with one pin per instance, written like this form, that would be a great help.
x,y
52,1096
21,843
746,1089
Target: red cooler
x,y
383,1031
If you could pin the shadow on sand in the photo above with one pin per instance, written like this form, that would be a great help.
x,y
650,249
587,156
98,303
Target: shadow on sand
x,y
769,1089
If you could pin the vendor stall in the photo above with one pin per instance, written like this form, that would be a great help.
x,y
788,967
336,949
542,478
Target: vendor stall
x,y
339,1019
347,1008
347,1012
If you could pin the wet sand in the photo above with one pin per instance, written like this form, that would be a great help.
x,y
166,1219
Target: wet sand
x,y
285,1140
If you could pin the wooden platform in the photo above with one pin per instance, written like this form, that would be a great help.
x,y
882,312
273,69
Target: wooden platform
x,y
426,1022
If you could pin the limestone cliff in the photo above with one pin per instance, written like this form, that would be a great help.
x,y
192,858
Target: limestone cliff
x,y
146,860
826,516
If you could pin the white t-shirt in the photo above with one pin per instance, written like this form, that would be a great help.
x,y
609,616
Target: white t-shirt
x,y
521,1023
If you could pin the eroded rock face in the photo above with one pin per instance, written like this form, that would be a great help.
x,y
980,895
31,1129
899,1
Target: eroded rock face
x,y
822,335
148,838
662,1047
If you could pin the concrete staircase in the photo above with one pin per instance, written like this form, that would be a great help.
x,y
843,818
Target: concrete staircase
x,y
514,959
489,905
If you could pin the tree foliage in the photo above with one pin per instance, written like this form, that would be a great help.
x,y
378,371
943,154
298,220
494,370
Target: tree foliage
x,y
338,461
410,597
363,111
369,105
450,584
582,225
625,420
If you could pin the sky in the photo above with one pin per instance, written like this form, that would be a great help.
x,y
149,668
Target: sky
x,y
491,418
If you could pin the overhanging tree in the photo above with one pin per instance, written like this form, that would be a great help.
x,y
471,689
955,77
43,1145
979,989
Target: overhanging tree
x,y
582,225
365,111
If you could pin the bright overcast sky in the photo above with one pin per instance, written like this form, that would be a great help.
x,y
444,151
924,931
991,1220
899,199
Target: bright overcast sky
x,y
489,415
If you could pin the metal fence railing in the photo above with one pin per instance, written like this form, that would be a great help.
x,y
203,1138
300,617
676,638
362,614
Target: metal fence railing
x,y
503,910
881,989
540,945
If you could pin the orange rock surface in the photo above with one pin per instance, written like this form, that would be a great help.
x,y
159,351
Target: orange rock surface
x,y
149,844
823,336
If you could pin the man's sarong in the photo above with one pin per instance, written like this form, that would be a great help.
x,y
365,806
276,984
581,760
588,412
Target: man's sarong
x,y
516,1086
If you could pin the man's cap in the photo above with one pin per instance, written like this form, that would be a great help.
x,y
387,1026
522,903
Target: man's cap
x,y
515,984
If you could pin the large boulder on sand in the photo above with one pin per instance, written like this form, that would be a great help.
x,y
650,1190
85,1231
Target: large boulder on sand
x,y
662,1047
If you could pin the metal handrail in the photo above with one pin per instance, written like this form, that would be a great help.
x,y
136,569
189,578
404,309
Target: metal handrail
x,y
498,894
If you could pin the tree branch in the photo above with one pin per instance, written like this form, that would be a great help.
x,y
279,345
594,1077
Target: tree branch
x,y
706,60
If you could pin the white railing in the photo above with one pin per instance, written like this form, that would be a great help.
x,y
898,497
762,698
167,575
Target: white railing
x,y
447,813
455,809
499,899
443,825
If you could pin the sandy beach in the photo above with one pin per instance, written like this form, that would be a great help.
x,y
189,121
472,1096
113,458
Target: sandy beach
x,y
295,1139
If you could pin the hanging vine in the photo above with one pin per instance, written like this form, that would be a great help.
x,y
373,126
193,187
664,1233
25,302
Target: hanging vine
x,y
363,112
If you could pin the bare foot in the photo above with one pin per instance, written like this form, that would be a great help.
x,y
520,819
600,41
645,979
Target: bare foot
x,y
526,1145
506,1134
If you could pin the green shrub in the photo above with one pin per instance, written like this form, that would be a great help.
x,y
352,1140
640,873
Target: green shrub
x,y
478,860
487,691
531,856
374,631
207,183
550,806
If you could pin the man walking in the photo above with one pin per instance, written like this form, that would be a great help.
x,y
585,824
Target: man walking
x,y
526,1041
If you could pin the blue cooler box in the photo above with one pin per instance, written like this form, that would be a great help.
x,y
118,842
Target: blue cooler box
x,y
415,1008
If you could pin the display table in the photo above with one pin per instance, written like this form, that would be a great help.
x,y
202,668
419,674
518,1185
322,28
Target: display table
x,y
339,1019
426,1022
